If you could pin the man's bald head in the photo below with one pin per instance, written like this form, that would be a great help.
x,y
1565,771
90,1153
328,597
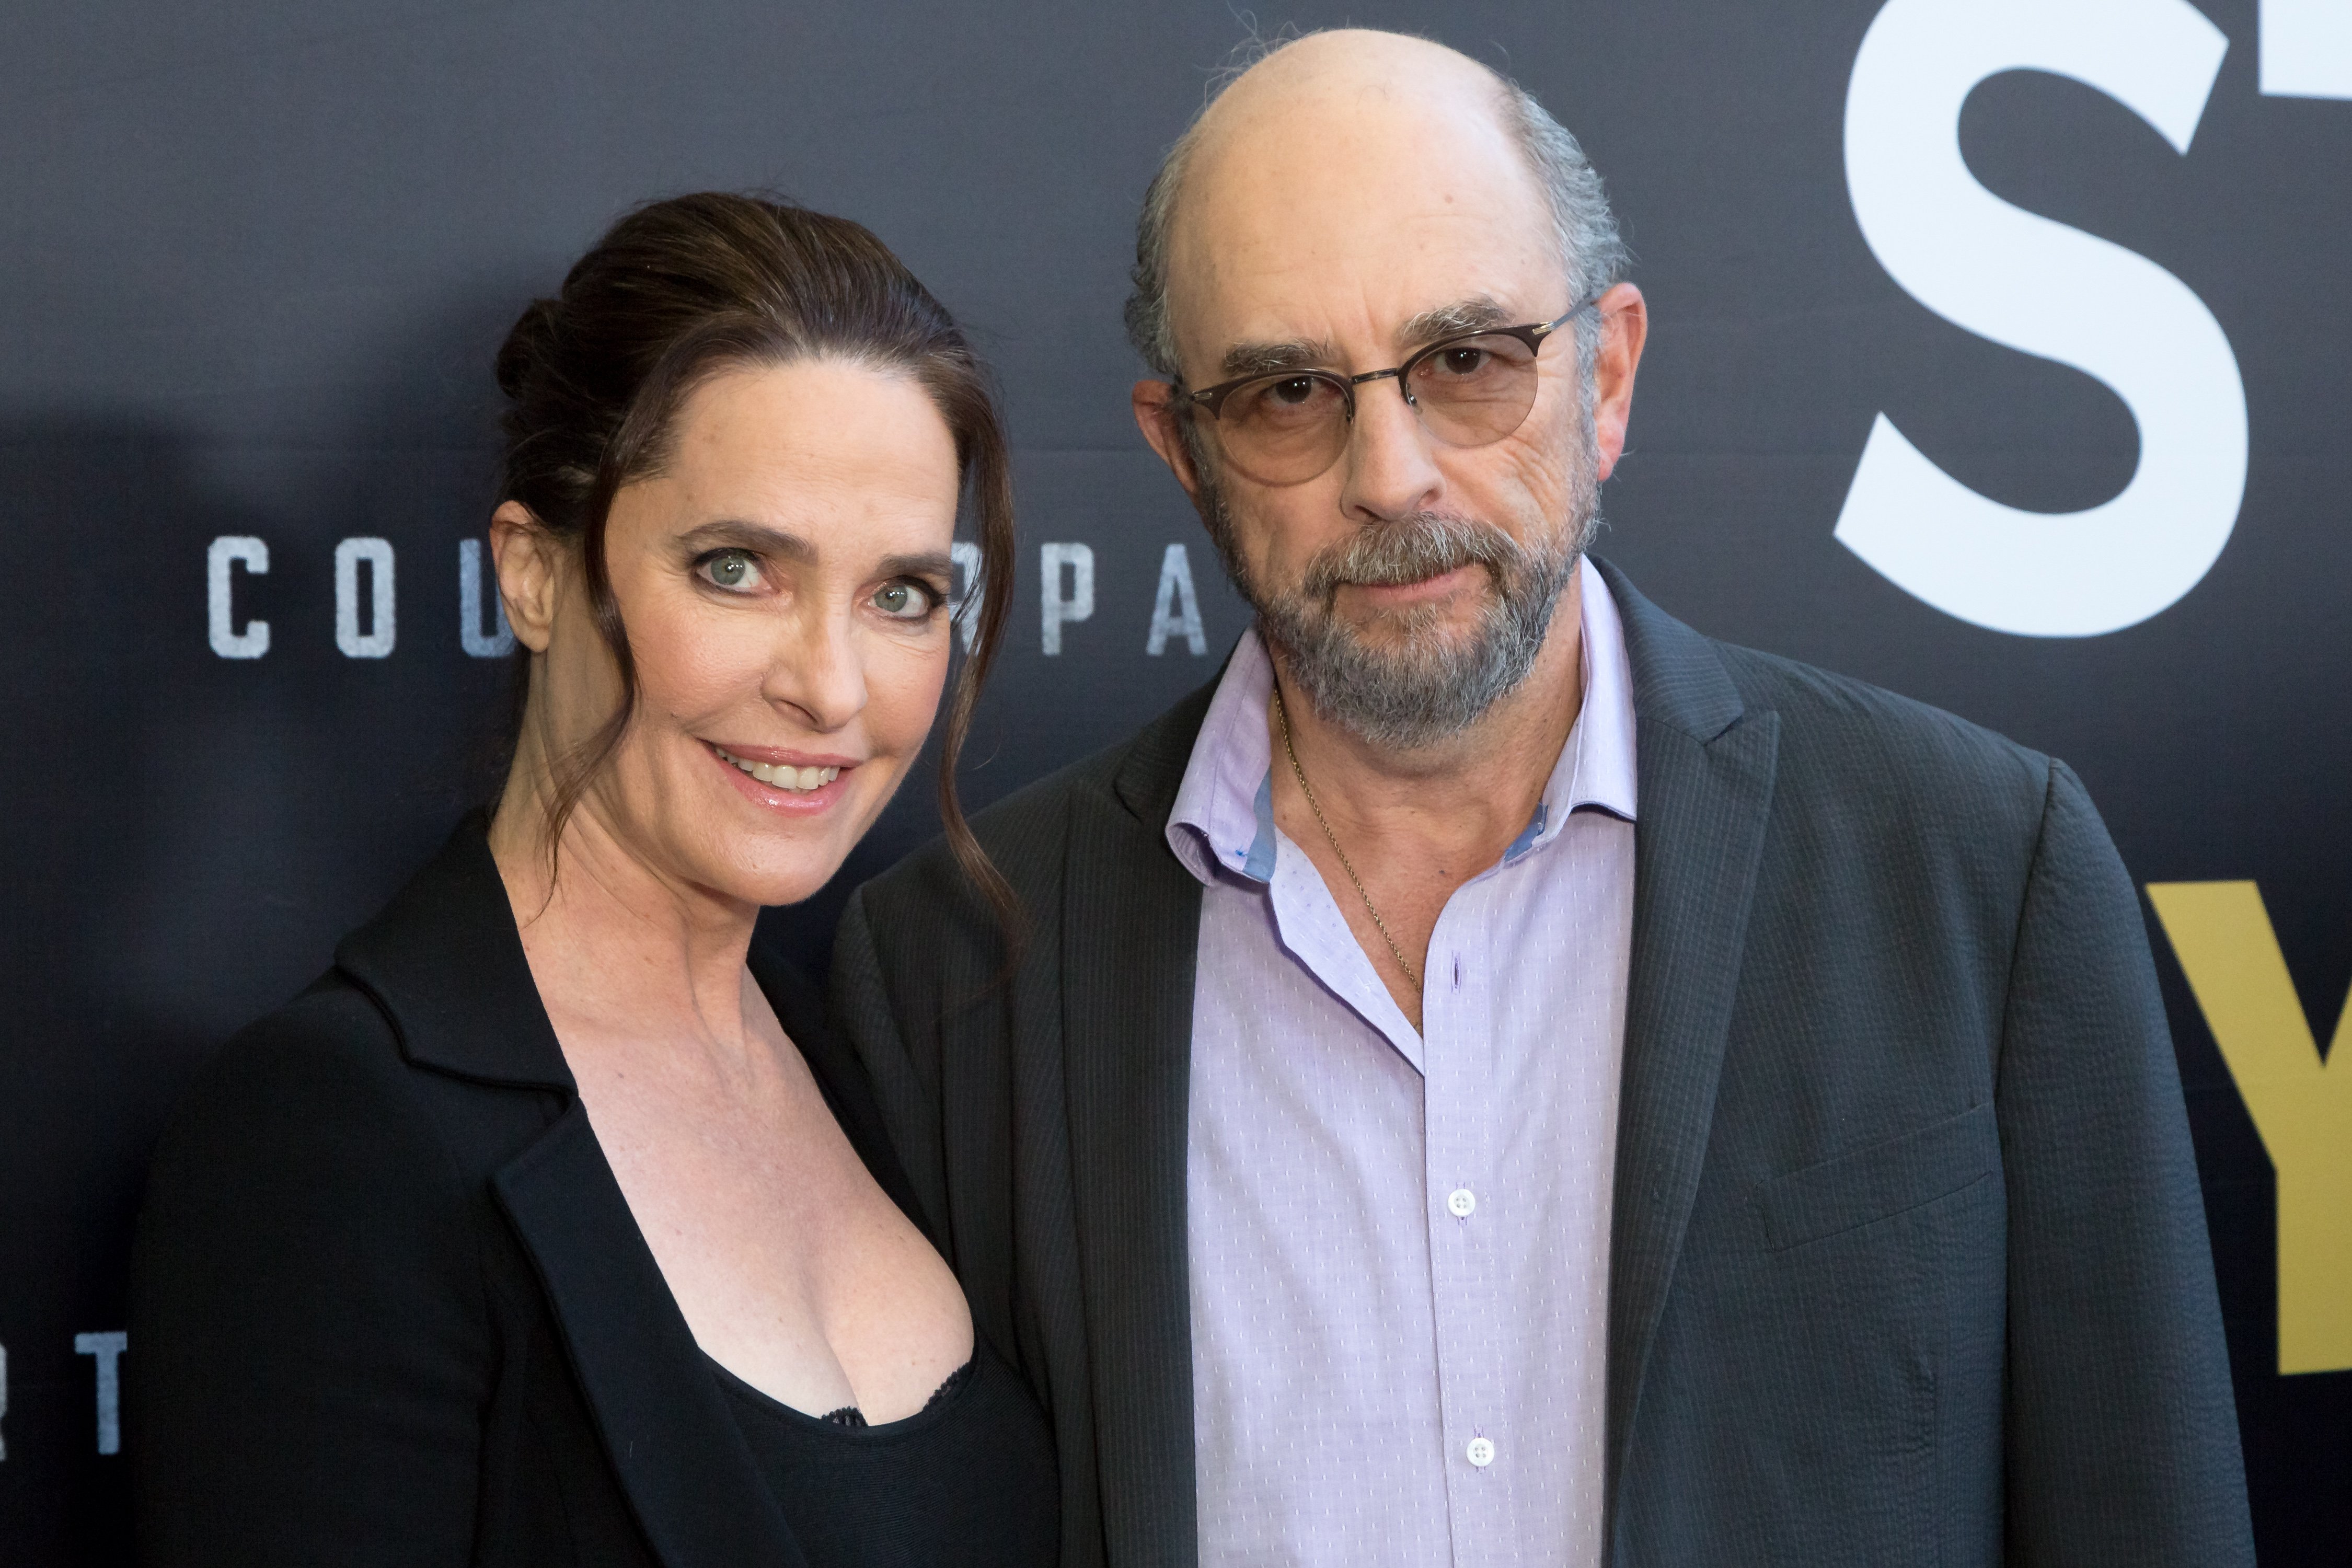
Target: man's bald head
x,y
1349,105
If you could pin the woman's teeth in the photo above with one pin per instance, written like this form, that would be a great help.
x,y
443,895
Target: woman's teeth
x,y
783,776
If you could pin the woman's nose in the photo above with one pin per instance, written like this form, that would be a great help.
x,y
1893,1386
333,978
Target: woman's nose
x,y
818,672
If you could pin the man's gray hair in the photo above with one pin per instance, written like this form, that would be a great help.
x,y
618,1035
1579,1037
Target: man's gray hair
x,y
1590,245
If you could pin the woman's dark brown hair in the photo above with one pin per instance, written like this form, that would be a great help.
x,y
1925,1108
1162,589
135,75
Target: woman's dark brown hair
x,y
679,291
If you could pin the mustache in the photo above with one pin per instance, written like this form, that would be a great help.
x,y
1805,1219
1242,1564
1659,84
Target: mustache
x,y
1412,550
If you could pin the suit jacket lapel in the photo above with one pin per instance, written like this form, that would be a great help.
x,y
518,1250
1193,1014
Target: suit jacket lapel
x,y
681,1457
1705,767
1130,927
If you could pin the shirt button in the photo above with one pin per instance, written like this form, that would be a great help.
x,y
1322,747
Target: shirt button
x,y
1462,1203
1481,1452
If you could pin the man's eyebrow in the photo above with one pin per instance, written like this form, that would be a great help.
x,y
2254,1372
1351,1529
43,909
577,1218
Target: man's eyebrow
x,y
1472,315
1446,321
1268,359
734,533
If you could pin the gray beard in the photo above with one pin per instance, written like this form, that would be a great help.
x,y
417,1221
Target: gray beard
x,y
1414,689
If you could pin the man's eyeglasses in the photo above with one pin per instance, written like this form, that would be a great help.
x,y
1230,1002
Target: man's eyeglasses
x,y
1285,428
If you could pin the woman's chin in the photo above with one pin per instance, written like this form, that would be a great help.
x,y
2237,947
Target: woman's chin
x,y
768,846
799,873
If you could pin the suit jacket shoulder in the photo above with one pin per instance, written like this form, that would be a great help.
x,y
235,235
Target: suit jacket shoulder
x,y
926,910
1876,739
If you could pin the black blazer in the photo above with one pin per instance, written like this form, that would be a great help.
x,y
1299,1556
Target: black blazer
x,y
1908,1261
388,1303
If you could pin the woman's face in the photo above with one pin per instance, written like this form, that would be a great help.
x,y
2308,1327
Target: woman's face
x,y
783,580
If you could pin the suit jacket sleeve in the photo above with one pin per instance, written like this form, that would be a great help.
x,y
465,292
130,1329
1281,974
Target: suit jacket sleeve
x,y
2122,1441
308,1354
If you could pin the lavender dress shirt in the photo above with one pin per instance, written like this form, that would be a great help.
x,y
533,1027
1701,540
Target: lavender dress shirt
x,y
1398,1241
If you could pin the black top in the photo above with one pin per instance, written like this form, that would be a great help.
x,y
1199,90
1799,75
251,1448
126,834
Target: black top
x,y
390,1306
967,1482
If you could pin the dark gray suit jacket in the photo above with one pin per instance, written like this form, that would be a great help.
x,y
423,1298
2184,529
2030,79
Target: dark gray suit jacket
x,y
1908,1263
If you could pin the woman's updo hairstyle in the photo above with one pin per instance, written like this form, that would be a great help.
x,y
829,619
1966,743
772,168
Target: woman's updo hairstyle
x,y
679,291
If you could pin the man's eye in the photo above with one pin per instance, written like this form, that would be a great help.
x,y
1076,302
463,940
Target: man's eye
x,y
903,601
735,569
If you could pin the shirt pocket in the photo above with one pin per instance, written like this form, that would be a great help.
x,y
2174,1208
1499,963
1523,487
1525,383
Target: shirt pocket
x,y
1880,1182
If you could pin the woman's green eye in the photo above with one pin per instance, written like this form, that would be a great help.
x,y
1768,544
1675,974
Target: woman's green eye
x,y
903,601
732,569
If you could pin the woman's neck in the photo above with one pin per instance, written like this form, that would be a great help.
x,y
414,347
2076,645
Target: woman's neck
x,y
622,951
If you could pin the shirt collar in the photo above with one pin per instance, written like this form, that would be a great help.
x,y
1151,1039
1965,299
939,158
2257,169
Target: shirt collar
x,y
1223,817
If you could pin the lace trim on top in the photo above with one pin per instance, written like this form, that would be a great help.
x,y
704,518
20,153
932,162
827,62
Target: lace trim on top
x,y
850,1416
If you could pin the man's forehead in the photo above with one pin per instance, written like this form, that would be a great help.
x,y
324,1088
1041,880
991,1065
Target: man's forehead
x,y
1397,266
1341,206
1363,65
1335,147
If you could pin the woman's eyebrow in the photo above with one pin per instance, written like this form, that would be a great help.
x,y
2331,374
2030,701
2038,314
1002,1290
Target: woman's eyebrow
x,y
929,563
735,534
757,537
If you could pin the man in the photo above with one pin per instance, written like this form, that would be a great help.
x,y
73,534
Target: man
x,y
1499,1077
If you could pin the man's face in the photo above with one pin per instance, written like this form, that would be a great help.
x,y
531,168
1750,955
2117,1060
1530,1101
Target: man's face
x,y
1411,584
1400,675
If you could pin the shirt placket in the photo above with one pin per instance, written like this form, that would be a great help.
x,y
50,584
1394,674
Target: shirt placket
x,y
1464,1212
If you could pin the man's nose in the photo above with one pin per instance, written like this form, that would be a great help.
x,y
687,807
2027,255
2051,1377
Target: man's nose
x,y
1391,470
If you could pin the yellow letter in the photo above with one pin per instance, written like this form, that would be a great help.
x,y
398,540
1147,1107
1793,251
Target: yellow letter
x,y
2301,1106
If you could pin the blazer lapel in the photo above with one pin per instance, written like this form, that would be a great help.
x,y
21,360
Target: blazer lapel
x,y
446,965
1130,927
1705,767
680,1454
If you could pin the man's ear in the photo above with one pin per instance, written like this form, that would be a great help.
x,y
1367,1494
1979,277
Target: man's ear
x,y
530,565
1624,328
1156,417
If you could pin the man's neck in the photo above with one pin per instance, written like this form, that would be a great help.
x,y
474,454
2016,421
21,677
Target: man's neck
x,y
1478,787
1415,826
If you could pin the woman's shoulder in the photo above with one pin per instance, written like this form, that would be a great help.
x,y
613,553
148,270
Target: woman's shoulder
x,y
312,1299
376,1074
317,1095
332,1029
373,1109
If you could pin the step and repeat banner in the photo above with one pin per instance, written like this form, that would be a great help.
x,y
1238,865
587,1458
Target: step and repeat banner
x,y
2003,355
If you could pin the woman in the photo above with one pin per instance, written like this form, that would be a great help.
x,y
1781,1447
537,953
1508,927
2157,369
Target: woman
x,y
550,1225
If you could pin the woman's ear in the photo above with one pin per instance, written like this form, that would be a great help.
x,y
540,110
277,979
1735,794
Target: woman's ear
x,y
531,562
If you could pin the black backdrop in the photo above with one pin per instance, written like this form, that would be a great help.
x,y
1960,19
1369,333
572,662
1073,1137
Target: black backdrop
x,y
255,258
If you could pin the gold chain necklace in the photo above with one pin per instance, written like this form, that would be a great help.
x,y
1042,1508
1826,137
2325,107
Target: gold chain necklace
x,y
1282,718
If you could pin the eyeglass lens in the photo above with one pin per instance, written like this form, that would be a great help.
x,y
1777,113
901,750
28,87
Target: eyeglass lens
x,y
1286,429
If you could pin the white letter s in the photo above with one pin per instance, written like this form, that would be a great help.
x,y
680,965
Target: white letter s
x,y
2046,289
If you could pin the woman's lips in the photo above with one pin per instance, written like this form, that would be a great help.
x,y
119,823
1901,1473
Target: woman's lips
x,y
781,776
774,782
